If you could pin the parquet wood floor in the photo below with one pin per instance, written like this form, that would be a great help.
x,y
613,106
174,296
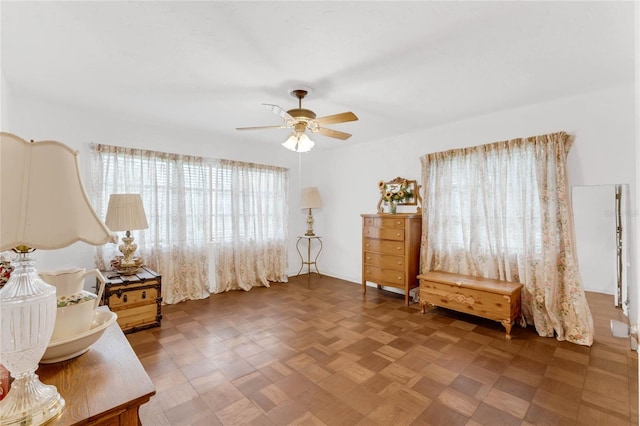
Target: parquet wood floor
x,y
315,352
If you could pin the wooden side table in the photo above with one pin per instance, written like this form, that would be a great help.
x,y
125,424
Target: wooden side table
x,y
106,385
308,262
137,299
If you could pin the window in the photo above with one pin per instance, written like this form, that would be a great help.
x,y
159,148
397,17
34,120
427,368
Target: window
x,y
191,202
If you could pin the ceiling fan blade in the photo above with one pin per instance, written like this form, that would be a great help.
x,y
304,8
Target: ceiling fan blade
x,y
282,126
276,109
332,133
343,117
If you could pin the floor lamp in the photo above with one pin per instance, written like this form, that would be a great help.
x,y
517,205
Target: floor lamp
x,y
43,205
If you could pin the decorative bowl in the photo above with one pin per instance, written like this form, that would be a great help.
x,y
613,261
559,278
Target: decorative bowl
x,y
116,264
71,347
75,315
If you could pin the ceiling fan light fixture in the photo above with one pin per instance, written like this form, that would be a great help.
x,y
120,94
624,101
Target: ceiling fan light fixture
x,y
298,142
302,119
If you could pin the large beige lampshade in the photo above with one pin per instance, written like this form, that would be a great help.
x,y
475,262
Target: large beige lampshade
x,y
44,204
310,198
126,213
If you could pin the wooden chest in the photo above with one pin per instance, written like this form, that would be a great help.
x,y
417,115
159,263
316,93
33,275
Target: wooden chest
x,y
391,250
487,298
137,299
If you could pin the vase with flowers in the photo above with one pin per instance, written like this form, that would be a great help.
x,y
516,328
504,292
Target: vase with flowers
x,y
395,193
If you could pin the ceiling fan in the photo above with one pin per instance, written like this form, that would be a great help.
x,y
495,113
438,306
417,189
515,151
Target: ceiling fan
x,y
301,119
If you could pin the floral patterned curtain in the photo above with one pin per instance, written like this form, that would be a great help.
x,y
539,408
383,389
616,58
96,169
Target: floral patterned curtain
x,y
184,198
502,211
250,222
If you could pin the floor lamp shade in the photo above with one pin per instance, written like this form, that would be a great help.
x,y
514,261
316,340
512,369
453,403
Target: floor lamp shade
x,y
43,205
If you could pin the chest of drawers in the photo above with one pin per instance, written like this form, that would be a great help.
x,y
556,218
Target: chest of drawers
x,y
135,298
391,250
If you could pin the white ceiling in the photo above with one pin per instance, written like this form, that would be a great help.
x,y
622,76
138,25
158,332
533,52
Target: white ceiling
x,y
399,66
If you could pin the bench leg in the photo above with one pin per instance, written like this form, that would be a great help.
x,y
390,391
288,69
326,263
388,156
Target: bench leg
x,y
507,325
424,304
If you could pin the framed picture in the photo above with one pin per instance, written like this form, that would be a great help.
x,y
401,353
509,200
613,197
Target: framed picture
x,y
399,192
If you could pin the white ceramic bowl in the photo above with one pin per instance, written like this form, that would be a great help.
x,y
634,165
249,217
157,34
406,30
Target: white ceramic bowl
x,y
71,347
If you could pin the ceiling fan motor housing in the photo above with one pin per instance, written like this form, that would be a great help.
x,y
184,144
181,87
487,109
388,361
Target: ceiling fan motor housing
x,y
302,114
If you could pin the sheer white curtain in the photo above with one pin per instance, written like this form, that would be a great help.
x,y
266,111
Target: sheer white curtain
x,y
503,211
194,204
250,221
177,201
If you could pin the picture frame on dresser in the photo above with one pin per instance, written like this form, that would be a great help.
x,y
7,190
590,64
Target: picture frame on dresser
x,y
394,186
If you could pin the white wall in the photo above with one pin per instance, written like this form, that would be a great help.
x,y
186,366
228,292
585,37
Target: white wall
x,y
37,120
603,153
5,98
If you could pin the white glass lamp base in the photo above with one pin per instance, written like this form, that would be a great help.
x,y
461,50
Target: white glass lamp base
x,y
30,402
28,307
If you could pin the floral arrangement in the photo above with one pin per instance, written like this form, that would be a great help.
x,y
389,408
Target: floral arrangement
x,y
396,193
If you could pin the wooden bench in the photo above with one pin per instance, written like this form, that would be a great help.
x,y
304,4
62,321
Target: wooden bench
x,y
484,297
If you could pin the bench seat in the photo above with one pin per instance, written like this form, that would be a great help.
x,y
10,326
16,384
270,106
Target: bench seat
x,y
484,297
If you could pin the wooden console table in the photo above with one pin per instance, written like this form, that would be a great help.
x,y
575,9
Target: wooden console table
x,y
104,386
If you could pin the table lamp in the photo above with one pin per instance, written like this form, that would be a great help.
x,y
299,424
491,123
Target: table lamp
x,y
43,205
310,199
126,213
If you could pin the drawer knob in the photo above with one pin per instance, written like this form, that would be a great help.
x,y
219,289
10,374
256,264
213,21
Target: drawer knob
x,y
398,234
398,223
368,258
399,277
399,262
398,248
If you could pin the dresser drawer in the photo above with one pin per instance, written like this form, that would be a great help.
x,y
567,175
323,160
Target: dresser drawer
x,y
383,246
385,276
384,233
385,261
384,222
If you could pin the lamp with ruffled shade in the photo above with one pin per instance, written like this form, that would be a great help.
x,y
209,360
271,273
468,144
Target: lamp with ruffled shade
x,y
43,206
